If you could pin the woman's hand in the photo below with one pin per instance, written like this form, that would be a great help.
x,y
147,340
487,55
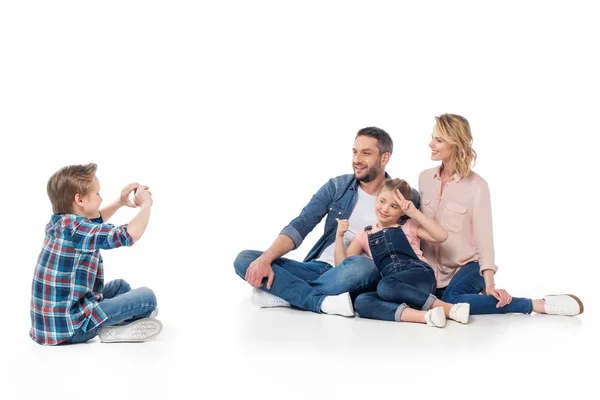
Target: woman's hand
x,y
501,295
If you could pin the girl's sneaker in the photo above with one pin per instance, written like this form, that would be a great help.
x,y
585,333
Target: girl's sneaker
x,y
460,312
436,317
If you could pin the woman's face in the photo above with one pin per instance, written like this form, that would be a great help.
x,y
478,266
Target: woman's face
x,y
440,150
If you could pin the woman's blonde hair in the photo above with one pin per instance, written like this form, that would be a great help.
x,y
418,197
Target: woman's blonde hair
x,y
65,183
455,130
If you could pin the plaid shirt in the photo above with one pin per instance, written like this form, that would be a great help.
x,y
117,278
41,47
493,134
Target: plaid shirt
x,y
69,277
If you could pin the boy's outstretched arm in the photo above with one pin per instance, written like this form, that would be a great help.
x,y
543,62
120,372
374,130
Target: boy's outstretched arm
x,y
137,226
107,212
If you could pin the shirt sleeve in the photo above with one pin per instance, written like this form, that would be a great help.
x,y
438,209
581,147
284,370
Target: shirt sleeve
x,y
482,228
311,214
90,236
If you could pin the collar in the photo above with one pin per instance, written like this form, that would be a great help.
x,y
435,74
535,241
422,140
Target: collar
x,y
438,175
387,227
57,217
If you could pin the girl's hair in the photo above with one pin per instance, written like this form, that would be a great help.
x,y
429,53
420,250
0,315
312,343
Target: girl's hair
x,y
400,184
455,130
65,183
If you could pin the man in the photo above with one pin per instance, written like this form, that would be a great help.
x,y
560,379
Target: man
x,y
316,284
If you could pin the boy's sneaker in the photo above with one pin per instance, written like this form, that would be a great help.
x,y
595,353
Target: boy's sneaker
x,y
138,331
436,317
460,312
267,300
562,304
338,305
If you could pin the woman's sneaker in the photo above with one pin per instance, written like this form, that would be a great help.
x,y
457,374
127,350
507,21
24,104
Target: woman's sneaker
x,y
563,304
138,331
267,300
436,317
460,312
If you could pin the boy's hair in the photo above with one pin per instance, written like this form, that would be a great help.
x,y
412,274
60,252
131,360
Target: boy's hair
x,y
65,183
400,184
384,141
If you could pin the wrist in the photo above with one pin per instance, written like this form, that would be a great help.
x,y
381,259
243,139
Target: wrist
x,y
268,256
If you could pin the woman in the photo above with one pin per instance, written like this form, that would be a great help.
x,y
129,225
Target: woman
x,y
459,199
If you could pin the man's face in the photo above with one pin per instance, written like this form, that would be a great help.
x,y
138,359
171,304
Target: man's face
x,y
366,161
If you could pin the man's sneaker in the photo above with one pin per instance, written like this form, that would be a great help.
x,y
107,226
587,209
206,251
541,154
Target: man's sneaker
x,y
460,312
265,299
138,331
436,317
563,304
338,305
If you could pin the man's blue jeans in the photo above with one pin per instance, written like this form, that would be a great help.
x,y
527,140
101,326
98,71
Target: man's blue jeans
x,y
120,303
465,287
306,284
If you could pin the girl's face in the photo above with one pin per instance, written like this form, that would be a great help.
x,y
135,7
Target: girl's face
x,y
440,150
387,210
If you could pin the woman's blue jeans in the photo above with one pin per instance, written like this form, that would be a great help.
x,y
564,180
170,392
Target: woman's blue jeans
x,y
466,286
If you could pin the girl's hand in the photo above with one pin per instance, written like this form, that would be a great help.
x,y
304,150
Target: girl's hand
x,y
343,225
501,295
407,206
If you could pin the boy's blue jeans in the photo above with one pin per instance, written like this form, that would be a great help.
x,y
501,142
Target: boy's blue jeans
x,y
465,287
306,284
120,303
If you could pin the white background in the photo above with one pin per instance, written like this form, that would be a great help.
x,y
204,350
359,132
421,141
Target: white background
x,y
235,113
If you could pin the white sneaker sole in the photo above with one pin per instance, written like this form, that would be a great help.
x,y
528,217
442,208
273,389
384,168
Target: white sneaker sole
x,y
137,331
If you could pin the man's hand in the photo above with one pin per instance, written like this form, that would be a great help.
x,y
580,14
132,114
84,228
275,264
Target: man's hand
x,y
343,226
124,199
258,270
143,197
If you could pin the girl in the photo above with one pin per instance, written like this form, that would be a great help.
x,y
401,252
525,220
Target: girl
x,y
407,279
459,199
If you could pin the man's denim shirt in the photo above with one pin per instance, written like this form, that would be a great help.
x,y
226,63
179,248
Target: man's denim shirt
x,y
336,199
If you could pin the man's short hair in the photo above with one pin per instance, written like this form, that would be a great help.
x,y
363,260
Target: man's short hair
x,y
384,141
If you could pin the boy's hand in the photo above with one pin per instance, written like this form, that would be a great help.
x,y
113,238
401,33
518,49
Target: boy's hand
x,y
343,225
407,206
124,199
143,197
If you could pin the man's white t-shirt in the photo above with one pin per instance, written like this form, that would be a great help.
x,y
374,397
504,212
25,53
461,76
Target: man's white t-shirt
x,y
362,215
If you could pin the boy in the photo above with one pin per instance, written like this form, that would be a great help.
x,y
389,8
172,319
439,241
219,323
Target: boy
x,y
69,301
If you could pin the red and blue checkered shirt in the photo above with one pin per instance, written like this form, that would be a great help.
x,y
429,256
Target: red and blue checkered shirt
x,y
69,277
